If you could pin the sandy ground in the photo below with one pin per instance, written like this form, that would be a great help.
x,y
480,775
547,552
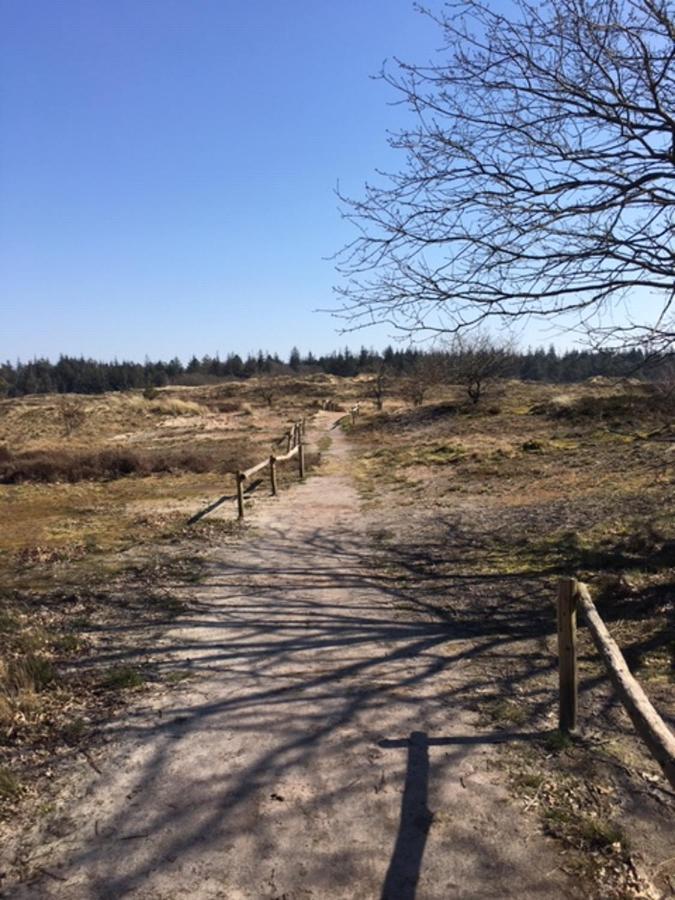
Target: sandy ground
x,y
314,751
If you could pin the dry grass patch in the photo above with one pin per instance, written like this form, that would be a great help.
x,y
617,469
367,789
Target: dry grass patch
x,y
528,499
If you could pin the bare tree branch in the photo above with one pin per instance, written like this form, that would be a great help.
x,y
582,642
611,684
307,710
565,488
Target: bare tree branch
x,y
539,176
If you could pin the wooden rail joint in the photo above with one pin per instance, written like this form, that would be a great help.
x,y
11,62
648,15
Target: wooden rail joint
x,y
294,438
656,735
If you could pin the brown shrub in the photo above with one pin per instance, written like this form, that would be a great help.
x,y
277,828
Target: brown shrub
x,y
102,465
72,414
226,406
632,405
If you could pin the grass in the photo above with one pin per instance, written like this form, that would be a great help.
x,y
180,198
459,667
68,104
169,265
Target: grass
x,y
10,787
121,678
53,465
558,741
97,538
508,712
324,443
585,831
515,501
173,406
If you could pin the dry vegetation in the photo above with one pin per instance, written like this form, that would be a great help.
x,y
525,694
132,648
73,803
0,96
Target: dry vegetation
x,y
489,506
96,493
498,500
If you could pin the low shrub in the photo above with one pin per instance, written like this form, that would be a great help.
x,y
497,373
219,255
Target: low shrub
x,y
51,466
226,406
173,406
619,407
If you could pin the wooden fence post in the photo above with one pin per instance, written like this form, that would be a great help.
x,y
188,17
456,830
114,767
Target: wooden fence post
x,y
240,494
289,438
301,460
567,654
273,475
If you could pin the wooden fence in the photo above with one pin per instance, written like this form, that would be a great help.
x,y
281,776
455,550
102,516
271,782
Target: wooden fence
x,y
659,739
294,439
352,415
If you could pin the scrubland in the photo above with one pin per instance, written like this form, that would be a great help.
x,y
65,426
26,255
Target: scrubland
x,y
96,551
480,510
476,511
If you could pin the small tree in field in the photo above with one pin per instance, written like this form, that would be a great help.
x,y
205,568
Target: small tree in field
x,y
427,371
380,383
268,392
476,362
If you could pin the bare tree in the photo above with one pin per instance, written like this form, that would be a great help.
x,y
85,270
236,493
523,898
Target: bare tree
x,y
428,370
476,362
380,383
539,176
268,391
73,415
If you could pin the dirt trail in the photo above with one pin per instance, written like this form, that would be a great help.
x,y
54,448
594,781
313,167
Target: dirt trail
x,y
315,752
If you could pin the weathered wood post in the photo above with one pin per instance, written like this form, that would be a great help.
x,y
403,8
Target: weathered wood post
x,y
567,654
240,493
301,460
303,427
289,438
273,475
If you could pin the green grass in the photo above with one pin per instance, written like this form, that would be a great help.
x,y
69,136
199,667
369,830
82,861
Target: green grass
x,y
508,712
121,678
557,741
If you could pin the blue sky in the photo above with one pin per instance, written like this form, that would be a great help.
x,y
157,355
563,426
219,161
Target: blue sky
x,y
168,167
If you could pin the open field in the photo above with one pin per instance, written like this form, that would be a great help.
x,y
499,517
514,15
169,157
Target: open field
x,y
128,468
472,511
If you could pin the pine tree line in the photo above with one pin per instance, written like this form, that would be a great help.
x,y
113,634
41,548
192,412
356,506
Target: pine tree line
x,y
88,376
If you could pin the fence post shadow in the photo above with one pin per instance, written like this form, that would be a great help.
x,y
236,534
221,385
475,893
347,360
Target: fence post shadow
x,y
405,865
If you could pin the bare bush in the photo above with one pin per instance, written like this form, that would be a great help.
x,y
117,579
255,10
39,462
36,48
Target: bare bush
x,y
73,415
268,392
428,370
380,383
476,362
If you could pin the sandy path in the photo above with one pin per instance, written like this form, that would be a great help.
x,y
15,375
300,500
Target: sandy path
x,y
285,768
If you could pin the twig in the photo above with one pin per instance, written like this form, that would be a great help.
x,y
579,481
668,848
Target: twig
x,y
51,874
91,762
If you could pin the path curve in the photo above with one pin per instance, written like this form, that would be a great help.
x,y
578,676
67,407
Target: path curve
x,y
315,752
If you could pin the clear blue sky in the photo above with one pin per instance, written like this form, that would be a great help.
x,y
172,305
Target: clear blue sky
x,y
167,169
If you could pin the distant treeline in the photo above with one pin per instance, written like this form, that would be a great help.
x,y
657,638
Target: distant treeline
x,y
88,376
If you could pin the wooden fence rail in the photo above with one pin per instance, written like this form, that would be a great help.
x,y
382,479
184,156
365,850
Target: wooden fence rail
x,y
352,414
659,739
294,439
